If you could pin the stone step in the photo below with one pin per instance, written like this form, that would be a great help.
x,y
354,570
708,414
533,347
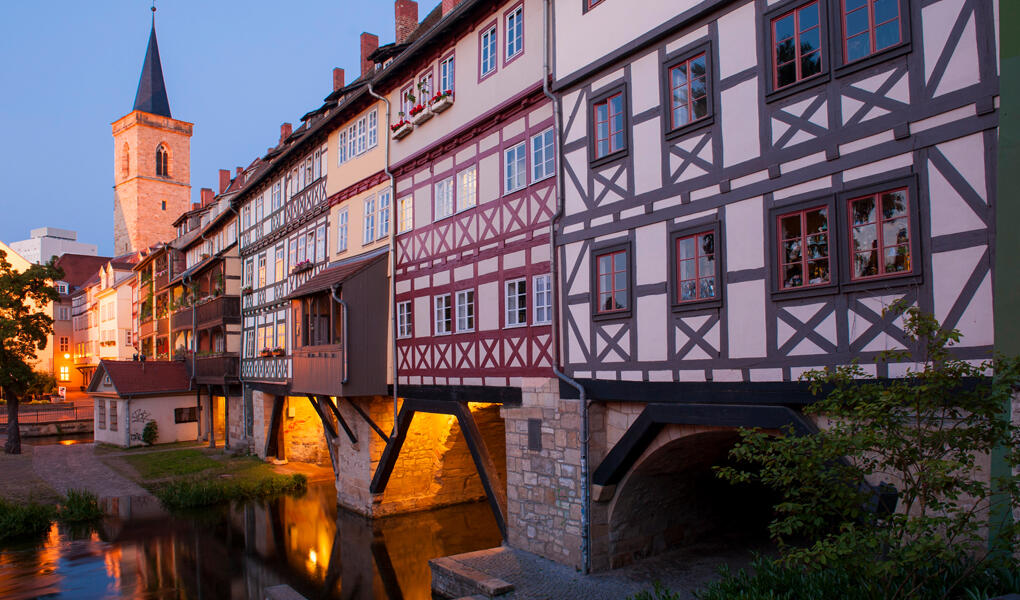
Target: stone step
x,y
454,579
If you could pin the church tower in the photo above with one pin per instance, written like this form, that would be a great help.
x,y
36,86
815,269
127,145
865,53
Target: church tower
x,y
152,163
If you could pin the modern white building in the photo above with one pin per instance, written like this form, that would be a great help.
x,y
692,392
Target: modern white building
x,y
47,242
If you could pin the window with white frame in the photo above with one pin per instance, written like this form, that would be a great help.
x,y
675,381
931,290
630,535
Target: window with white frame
x,y
488,64
373,129
465,310
362,136
443,204
543,299
352,142
369,226
404,319
516,303
384,214
405,214
514,32
444,314
258,209
467,188
248,269
341,230
277,196
320,243
446,75
425,88
543,161
515,168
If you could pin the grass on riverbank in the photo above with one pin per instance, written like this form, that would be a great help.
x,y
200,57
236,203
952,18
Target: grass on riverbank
x,y
193,477
22,520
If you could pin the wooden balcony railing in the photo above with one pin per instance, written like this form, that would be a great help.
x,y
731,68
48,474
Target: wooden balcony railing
x,y
318,370
271,368
224,309
217,368
181,319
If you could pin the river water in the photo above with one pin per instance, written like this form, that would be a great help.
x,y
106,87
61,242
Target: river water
x,y
236,552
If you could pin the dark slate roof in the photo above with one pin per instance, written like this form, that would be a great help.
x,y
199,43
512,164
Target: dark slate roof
x,y
139,378
151,96
338,274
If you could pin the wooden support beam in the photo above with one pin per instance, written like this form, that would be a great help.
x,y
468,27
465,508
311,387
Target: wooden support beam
x,y
487,472
339,418
654,417
368,420
384,565
326,424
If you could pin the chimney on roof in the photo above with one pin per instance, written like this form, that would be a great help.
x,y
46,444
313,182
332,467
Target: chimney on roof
x,y
196,205
207,196
369,44
449,5
224,180
338,78
405,19
239,171
285,130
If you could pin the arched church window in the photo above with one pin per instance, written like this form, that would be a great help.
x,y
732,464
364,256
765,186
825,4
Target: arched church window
x,y
162,162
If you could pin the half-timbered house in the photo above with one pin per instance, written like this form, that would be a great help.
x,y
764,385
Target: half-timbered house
x,y
748,186
473,157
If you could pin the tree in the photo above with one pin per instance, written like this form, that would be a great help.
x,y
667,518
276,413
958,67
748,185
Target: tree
x,y
23,330
930,434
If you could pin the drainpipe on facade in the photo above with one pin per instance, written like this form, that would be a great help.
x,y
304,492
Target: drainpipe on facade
x,y
343,305
554,278
393,257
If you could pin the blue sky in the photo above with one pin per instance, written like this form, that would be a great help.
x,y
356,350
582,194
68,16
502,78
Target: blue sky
x,y
234,68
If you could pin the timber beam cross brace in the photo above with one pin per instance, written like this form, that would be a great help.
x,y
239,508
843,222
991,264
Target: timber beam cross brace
x,y
494,489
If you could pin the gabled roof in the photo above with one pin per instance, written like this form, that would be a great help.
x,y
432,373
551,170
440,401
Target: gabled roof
x,y
143,378
78,268
151,95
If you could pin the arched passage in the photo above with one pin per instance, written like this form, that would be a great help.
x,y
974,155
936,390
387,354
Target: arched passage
x,y
672,498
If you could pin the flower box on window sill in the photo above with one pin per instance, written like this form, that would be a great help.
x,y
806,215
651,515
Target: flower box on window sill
x,y
441,102
302,266
279,352
402,129
420,114
266,353
246,290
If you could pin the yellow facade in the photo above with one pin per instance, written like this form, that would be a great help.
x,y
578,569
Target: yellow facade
x,y
147,201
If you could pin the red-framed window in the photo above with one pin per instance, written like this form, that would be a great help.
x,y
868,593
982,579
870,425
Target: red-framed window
x,y
612,282
869,26
804,248
880,234
695,267
609,125
796,45
688,91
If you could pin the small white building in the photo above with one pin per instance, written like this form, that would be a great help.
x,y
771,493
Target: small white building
x,y
129,394
47,242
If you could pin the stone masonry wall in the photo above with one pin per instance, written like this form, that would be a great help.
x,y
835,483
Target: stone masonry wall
x,y
303,436
435,467
544,485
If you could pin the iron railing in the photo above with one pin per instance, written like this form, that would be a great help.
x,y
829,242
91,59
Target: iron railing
x,y
48,413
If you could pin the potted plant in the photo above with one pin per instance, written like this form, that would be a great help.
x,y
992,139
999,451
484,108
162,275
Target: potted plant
x,y
205,255
420,113
402,127
441,101
266,353
278,351
302,266
246,289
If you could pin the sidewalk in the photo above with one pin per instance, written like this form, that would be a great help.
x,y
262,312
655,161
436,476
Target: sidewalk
x,y
77,467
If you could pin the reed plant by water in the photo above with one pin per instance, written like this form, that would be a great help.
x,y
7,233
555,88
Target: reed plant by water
x,y
195,492
24,520
80,506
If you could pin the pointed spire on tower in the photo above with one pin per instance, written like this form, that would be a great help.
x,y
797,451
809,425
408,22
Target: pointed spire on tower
x,y
151,96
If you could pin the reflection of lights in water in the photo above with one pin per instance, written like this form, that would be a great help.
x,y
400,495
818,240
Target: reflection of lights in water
x,y
313,557
68,442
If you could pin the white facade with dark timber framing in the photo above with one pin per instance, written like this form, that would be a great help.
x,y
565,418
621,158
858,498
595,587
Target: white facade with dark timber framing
x,y
748,185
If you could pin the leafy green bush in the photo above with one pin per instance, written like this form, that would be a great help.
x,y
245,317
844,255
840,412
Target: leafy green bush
x,y
80,506
658,592
194,492
150,433
774,580
23,520
926,432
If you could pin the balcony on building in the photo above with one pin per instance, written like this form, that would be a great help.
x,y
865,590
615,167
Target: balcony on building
x,y
325,331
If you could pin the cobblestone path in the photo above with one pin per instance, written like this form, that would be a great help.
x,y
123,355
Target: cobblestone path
x,y
76,467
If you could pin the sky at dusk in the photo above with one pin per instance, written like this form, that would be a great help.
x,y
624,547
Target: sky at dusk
x,y
234,68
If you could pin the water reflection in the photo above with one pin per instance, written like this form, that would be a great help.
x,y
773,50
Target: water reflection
x,y
237,552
